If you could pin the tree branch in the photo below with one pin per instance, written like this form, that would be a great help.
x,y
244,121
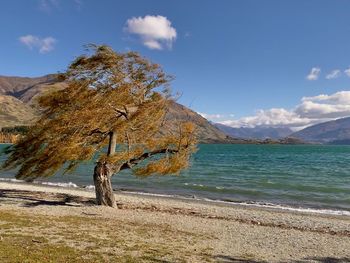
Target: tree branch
x,y
96,131
134,161
124,113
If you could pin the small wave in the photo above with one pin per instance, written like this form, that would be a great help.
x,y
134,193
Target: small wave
x,y
69,185
12,180
58,184
288,208
153,194
319,211
89,187
205,186
200,185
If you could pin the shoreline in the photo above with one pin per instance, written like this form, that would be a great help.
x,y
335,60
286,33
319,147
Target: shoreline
x,y
248,203
166,201
253,234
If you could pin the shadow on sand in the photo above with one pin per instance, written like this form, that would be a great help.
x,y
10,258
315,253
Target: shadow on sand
x,y
33,199
228,259
324,260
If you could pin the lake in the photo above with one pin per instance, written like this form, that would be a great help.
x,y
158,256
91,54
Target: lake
x,y
291,176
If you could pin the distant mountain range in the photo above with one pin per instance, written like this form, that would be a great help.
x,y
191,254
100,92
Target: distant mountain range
x,y
259,132
17,107
331,132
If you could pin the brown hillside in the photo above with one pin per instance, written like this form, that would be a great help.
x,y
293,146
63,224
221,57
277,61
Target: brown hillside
x,y
14,112
17,86
206,131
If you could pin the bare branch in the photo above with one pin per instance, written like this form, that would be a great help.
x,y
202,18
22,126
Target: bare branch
x,y
96,131
121,112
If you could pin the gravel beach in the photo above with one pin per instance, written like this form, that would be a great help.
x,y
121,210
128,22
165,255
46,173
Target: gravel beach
x,y
163,229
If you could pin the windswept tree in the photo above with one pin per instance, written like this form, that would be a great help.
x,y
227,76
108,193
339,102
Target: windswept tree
x,y
113,101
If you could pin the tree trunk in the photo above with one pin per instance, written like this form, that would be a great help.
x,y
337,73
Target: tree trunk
x,y
103,185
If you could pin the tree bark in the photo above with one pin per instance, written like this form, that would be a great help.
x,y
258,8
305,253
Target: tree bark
x,y
103,185
112,143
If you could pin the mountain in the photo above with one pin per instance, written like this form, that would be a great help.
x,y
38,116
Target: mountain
x,y
19,86
259,132
333,132
14,112
206,131
18,107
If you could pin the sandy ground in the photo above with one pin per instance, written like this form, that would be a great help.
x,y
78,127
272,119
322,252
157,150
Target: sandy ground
x,y
178,230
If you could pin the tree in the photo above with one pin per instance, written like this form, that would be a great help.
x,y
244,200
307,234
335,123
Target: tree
x,y
112,99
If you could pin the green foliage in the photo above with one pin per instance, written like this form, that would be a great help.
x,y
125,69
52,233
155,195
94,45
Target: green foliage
x,y
15,129
107,92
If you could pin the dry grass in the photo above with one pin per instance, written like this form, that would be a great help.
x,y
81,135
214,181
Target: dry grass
x,y
33,238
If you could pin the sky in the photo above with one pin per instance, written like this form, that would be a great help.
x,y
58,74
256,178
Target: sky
x,y
238,62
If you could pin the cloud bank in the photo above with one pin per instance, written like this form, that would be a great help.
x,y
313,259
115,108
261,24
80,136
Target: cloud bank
x,y
324,106
44,45
155,32
309,111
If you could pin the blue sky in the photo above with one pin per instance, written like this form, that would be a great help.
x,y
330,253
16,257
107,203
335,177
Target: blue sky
x,y
240,62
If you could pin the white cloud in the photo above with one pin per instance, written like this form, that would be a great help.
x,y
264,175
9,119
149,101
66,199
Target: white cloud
x,y
347,72
79,3
44,45
334,74
211,116
275,117
311,110
314,74
48,5
155,32
325,106
187,35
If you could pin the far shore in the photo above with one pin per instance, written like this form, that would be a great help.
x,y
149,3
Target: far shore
x,y
161,229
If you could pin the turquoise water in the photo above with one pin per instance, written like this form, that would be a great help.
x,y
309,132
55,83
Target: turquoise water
x,y
298,176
